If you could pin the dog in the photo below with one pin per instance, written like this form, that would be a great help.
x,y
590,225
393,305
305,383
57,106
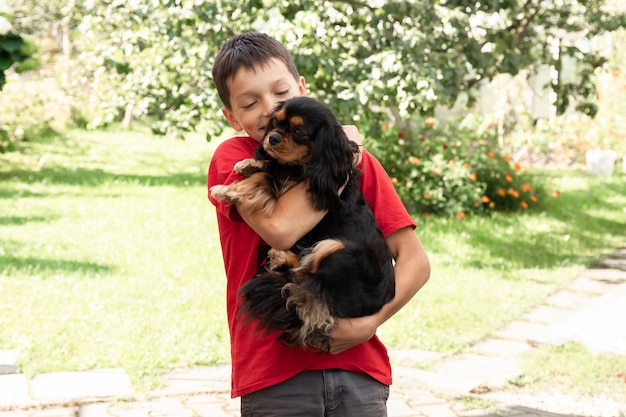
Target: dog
x,y
342,268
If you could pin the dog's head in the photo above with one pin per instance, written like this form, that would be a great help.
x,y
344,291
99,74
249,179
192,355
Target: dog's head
x,y
303,131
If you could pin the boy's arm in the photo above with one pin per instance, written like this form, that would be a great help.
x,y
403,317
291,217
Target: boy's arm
x,y
293,216
412,271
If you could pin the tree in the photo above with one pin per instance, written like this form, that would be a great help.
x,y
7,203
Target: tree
x,y
367,59
15,50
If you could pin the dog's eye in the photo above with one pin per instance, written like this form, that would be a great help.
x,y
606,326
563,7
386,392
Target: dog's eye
x,y
298,131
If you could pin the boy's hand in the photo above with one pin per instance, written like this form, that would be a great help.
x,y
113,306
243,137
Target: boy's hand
x,y
351,332
353,134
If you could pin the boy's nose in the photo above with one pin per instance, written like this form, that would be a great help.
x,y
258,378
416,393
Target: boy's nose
x,y
268,107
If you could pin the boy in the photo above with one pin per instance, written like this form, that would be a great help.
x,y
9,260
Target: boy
x,y
253,73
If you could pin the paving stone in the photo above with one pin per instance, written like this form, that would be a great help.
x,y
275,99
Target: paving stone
x,y
58,387
546,314
408,357
133,409
15,413
8,362
169,407
196,380
605,274
601,320
476,370
437,410
397,407
522,330
13,390
591,285
56,412
206,406
501,348
568,299
94,410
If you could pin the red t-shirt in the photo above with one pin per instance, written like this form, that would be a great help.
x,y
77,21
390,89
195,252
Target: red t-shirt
x,y
259,362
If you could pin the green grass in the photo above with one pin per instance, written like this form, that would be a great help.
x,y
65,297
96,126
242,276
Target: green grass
x,y
109,257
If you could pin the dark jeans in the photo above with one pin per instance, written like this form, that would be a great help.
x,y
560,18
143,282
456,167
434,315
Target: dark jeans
x,y
329,393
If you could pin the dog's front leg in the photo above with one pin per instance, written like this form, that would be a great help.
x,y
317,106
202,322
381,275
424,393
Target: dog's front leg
x,y
247,167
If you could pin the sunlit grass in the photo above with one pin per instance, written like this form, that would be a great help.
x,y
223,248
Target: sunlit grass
x,y
109,257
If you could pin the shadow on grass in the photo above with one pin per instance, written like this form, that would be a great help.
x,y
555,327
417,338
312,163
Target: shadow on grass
x,y
21,220
575,230
97,177
31,265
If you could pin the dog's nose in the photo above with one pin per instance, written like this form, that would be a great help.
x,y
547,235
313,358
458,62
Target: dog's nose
x,y
275,139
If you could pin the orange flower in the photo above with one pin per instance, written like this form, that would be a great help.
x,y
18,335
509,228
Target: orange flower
x,y
430,121
414,160
466,165
394,180
517,167
524,205
491,154
473,176
426,196
533,198
501,192
492,204
526,188
437,171
508,177
451,162
461,214
513,193
385,126
485,199
507,157
556,193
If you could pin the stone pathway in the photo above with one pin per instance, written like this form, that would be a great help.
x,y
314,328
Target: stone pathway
x,y
590,310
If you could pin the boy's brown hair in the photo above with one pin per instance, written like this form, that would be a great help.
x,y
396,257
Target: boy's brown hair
x,y
250,51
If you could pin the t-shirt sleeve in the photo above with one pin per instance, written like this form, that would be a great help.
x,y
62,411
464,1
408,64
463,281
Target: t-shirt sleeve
x,y
222,172
381,195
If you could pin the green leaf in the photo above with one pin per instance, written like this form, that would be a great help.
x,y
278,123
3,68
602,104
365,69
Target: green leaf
x,y
11,42
27,65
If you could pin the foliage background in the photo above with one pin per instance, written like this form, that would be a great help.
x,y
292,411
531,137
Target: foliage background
x,y
386,66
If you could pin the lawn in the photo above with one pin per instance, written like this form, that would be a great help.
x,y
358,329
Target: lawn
x,y
109,257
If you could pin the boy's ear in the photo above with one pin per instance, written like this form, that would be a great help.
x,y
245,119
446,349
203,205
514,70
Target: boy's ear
x,y
302,86
232,121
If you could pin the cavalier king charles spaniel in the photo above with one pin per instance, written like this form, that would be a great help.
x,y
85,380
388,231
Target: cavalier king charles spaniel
x,y
342,268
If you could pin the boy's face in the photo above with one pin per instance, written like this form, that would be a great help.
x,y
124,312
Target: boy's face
x,y
255,94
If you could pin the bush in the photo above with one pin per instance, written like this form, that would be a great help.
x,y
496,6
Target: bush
x,y
452,170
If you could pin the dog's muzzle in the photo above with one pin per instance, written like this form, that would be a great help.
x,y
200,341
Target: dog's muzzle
x,y
275,139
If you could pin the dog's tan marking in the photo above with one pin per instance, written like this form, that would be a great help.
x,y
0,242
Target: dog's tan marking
x,y
321,250
288,151
296,121
317,323
280,115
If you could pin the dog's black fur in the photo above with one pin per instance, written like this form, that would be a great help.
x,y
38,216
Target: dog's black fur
x,y
341,268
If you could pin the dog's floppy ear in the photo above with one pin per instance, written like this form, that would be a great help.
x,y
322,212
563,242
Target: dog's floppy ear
x,y
331,164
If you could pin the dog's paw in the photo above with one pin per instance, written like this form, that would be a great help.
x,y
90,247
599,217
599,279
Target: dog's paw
x,y
249,166
224,193
281,259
